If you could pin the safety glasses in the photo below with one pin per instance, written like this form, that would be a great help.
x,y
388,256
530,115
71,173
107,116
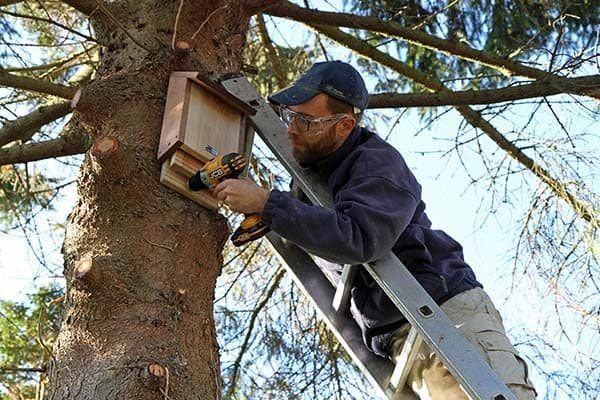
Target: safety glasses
x,y
304,123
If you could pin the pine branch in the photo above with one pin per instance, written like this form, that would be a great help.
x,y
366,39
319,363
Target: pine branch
x,y
9,2
290,11
36,85
269,290
23,128
271,52
17,369
60,147
582,209
50,21
86,7
66,62
255,6
581,85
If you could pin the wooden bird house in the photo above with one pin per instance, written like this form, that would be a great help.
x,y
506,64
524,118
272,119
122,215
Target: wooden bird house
x,y
198,113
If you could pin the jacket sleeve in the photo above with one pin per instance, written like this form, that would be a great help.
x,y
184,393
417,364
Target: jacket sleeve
x,y
370,214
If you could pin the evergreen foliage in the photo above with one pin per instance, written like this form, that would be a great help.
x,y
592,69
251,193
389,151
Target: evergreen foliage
x,y
272,343
27,331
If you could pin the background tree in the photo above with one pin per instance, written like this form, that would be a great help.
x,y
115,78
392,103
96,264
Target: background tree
x,y
26,336
139,323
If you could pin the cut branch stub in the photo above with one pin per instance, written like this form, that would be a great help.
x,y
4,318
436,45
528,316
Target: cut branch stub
x,y
157,370
76,98
181,299
105,147
183,45
58,300
82,267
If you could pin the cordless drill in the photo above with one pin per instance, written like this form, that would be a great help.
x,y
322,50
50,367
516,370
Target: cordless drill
x,y
217,170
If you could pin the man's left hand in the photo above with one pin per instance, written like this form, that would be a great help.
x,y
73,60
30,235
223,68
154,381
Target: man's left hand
x,y
242,195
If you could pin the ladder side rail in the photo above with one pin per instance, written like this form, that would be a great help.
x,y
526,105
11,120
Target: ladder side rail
x,y
463,361
319,290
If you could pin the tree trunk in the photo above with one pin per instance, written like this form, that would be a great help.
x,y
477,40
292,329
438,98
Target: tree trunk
x,y
141,261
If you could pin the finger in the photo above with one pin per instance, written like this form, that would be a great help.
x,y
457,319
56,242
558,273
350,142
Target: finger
x,y
222,186
222,195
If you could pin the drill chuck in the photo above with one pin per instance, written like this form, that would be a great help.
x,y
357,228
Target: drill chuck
x,y
216,170
198,181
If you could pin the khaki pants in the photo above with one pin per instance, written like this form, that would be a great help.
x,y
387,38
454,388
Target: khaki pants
x,y
474,315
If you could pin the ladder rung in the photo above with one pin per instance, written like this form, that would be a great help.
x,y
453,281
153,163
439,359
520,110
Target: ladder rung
x,y
332,271
405,360
341,298
320,291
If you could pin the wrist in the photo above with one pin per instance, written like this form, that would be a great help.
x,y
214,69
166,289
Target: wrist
x,y
266,193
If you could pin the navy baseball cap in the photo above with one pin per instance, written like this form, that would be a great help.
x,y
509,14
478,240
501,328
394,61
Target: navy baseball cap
x,y
338,79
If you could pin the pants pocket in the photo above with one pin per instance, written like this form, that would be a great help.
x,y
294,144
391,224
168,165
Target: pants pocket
x,y
505,360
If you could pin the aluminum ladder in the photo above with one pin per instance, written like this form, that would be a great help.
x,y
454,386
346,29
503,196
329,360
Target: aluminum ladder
x,y
428,322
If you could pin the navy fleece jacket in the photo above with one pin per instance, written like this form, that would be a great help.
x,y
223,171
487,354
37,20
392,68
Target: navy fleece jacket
x,y
378,208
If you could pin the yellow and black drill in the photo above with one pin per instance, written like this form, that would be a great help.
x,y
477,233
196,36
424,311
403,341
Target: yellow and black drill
x,y
218,169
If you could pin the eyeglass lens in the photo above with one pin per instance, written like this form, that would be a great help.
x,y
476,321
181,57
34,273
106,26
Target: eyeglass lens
x,y
289,117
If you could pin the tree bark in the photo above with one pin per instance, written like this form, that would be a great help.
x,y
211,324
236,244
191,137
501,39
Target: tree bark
x,y
141,261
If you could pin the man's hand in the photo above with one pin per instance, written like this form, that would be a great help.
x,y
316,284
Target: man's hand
x,y
242,195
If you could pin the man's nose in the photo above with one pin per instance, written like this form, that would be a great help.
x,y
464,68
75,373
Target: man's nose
x,y
292,130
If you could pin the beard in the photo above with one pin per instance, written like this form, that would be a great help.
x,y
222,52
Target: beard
x,y
308,149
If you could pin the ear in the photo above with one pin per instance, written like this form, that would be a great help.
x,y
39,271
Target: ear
x,y
345,126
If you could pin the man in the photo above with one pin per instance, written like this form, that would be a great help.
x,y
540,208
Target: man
x,y
378,208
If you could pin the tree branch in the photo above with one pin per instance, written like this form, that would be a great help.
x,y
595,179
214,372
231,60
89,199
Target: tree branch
x,y
86,7
268,293
473,117
49,21
581,85
17,369
36,85
60,147
255,6
24,127
9,2
288,10
270,50
53,65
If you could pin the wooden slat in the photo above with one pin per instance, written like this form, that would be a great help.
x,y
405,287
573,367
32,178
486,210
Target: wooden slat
x,y
224,95
210,121
184,163
185,74
178,183
171,135
197,113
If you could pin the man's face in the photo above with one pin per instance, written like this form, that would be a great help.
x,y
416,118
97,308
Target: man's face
x,y
321,139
